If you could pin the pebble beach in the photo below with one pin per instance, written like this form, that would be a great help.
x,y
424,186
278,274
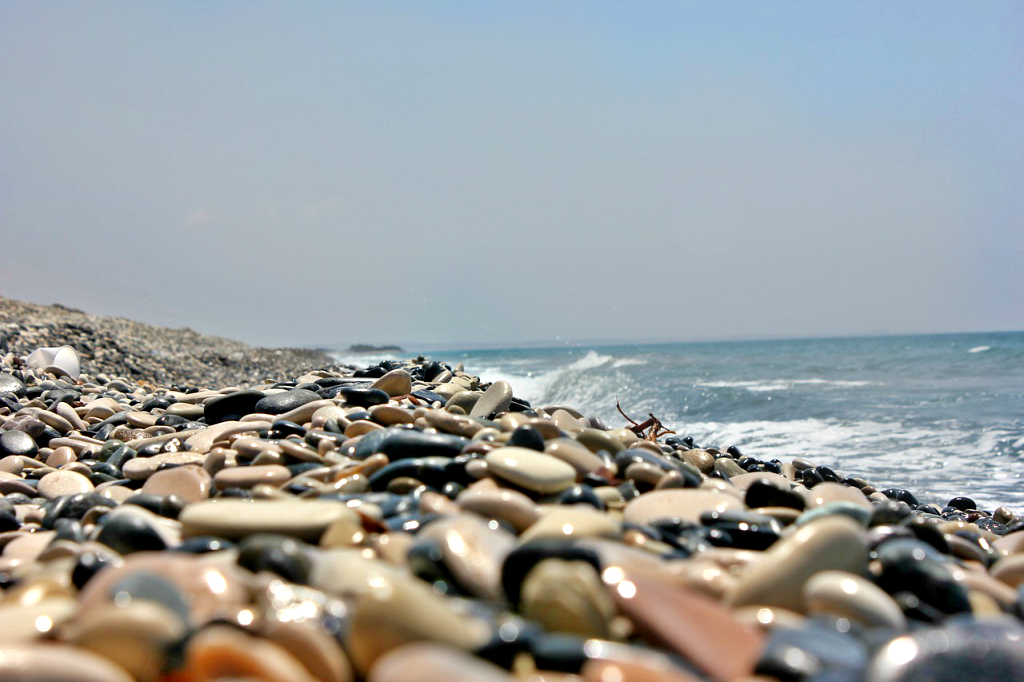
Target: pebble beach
x,y
183,507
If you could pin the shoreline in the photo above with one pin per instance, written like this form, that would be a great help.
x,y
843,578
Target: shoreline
x,y
408,521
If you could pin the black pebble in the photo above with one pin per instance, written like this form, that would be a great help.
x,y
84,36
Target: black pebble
x,y
232,406
527,436
17,443
126,533
762,493
278,554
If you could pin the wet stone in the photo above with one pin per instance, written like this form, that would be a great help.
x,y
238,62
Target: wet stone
x,y
17,443
280,403
530,469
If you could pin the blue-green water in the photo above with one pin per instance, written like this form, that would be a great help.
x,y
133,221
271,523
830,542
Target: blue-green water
x,y
941,415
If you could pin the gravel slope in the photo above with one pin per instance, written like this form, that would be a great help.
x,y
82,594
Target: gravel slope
x,y
143,352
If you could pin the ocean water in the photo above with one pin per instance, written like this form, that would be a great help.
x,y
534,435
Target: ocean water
x,y
940,415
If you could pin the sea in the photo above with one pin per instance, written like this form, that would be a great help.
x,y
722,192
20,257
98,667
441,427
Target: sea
x,y
940,415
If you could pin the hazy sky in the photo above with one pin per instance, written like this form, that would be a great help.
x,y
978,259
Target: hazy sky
x,y
295,173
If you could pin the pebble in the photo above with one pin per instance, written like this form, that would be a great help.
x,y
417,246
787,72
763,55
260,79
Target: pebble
x,y
529,469
778,578
154,532
235,519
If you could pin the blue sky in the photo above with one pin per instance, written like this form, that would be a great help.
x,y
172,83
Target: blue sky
x,y
503,172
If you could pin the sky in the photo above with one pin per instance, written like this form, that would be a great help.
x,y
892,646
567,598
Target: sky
x,y
506,172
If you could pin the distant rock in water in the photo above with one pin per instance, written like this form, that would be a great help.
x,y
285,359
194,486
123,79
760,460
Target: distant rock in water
x,y
366,348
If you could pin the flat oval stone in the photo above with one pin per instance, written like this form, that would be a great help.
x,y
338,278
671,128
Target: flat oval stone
x,y
52,662
497,398
432,662
778,578
190,483
511,506
683,503
234,518
395,383
397,612
251,476
221,652
17,443
850,596
695,626
530,469
826,493
577,456
280,403
473,552
59,483
573,522
567,596
141,468
11,384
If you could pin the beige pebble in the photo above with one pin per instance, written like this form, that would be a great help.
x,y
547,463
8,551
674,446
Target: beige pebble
x,y
567,596
530,469
52,662
1009,570
191,483
577,456
61,483
473,552
395,383
573,522
397,612
220,652
251,476
505,505
61,456
431,662
141,468
686,503
828,492
846,595
234,518
777,579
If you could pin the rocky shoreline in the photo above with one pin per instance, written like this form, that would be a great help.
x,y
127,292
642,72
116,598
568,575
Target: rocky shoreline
x,y
194,515
147,353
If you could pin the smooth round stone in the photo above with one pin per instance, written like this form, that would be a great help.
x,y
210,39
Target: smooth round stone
x,y
395,383
17,443
472,552
135,635
497,398
388,415
778,578
567,596
51,662
141,468
280,403
190,483
131,529
431,662
573,522
360,396
27,547
278,554
27,619
60,483
11,384
526,436
61,456
234,518
186,410
851,510
827,493
683,503
728,468
397,612
409,443
454,424
221,652
1009,570
767,493
578,457
530,469
510,506
961,649
209,584
251,476
693,625
850,596
231,407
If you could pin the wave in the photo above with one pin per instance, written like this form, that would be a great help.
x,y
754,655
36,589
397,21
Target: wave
x,y
979,349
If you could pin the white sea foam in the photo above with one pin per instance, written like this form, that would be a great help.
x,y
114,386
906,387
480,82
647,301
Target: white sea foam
x,y
780,385
628,362
979,349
